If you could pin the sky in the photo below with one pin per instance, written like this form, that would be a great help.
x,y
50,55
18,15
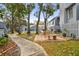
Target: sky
x,y
34,18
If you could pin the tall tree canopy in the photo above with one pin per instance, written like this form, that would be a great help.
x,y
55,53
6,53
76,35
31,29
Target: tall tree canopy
x,y
47,11
17,11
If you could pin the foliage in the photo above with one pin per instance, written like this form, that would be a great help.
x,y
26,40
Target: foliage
x,y
58,6
21,10
17,13
47,11
2,12
11,7
3,41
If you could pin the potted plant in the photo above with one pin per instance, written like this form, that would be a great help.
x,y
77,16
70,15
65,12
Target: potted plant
x,y
54,37
65,31
64,34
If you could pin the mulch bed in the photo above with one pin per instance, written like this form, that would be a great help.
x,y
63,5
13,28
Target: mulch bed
x,y
5,48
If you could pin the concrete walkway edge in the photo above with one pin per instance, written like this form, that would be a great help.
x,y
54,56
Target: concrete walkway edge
x,y
28,48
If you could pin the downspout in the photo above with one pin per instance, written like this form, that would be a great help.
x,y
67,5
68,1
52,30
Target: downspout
x,y
77,21
77,28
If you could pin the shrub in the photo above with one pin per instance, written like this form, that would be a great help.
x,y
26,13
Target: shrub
x,y
73,36
6,35
64,34
3,40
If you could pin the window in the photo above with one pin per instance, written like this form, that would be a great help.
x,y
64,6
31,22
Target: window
x,y
69,13
77,12
52,22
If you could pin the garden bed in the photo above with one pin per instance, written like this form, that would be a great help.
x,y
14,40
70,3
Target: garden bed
x,y
9,49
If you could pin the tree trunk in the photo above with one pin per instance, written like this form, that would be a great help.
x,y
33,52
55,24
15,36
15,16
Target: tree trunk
x,y
19,25
12,24
28,24
29,21
45,22
45,28
37,25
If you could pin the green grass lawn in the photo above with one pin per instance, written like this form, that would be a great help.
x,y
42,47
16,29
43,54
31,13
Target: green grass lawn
x,y
57,48
63,48
29,37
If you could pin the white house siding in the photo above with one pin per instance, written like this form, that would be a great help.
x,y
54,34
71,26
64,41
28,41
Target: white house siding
x,y
77,19
73,24
2,32
23,28
62,15
54,24
50,25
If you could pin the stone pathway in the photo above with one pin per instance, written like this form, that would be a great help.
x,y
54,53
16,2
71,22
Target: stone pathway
x,y
27,47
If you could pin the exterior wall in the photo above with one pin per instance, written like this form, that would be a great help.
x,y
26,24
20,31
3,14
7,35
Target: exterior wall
x,y
32,27
77,20
62,15
1,32
41,27
54,24
3,29
57,25
23,28
50,25
73,25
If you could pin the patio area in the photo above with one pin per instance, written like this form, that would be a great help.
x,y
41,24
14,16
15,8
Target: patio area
x,y
50,37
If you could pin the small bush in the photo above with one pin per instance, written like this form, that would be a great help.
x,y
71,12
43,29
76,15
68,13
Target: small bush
x,y
6,35
3,40
64,34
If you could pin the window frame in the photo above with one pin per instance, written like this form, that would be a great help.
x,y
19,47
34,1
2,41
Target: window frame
x,y
69,13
